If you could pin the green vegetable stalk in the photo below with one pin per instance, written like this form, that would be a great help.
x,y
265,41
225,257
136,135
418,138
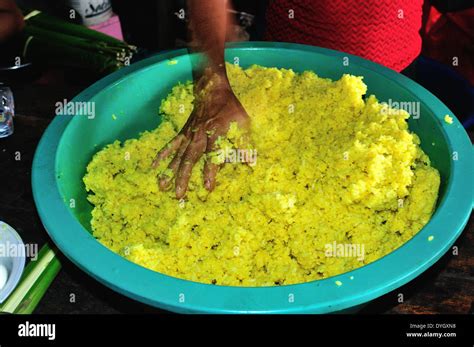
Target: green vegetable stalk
x,y
50,40
36,279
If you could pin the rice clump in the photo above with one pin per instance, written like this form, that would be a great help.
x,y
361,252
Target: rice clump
x,y
333,171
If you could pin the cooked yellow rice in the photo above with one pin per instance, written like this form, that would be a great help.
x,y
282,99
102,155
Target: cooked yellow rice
x,y
332,169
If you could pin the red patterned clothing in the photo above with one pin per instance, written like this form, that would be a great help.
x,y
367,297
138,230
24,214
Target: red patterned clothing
x,y
384,31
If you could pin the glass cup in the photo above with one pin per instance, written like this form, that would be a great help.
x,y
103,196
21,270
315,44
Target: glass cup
x,y
7,111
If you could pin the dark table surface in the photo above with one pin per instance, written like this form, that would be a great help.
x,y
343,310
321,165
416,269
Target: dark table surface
x,y
447,287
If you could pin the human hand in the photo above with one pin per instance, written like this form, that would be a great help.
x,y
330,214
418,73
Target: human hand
x,y
215,108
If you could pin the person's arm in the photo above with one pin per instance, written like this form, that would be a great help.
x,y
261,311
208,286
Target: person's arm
x,y
215,105
11,19
209,22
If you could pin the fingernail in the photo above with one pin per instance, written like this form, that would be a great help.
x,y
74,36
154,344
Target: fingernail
x,y
164,186
164,183
180,192
210,184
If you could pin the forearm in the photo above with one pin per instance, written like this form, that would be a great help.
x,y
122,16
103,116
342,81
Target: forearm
x,y
215,105
208,26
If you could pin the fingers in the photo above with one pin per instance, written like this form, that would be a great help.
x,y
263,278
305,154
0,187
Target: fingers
x,y
210,172
210,168
166,180
169,149
190,157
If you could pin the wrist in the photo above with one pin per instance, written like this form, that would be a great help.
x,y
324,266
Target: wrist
x,y
213,78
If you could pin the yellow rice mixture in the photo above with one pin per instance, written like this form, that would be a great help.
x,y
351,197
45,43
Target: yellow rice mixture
x,y
332,168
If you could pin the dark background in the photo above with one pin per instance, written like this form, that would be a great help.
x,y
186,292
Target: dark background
x,y
447,287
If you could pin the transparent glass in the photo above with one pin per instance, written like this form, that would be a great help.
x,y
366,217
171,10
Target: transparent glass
x,y
7,111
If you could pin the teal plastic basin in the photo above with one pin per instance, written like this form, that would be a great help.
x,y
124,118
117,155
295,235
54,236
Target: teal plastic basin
x,y
133,95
